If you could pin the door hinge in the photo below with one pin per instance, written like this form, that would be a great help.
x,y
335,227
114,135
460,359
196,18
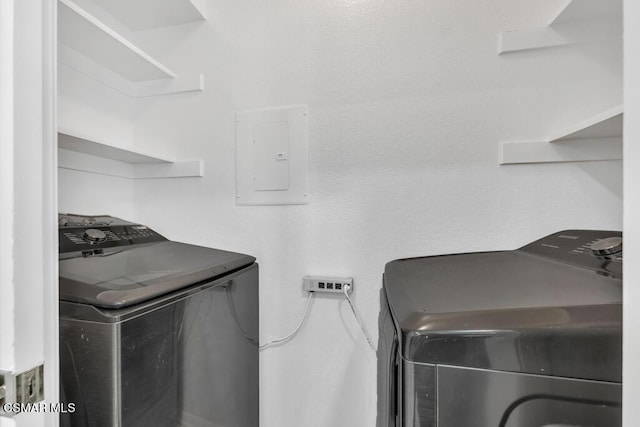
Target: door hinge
x,y
21,389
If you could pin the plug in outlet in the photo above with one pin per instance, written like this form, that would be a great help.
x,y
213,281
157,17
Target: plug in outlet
x,y
327,284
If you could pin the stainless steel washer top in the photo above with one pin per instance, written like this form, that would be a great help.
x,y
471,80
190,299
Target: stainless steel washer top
x,y
111,263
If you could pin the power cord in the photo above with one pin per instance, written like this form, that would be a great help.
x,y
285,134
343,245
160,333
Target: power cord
x,y
295,331
345,291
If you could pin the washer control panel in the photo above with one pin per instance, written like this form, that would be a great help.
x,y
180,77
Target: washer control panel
x,y
607,246
598,250
91,236
94,235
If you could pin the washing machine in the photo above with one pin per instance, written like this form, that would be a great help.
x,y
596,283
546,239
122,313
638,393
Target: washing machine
x,y
521,338
154,332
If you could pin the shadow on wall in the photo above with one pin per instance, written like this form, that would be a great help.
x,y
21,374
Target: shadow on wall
x,y
602,174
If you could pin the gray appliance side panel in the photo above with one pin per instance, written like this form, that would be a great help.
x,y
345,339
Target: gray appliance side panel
x,y
387,355
419,395
576,342
190,362
89,372
218,355
476,397
150,367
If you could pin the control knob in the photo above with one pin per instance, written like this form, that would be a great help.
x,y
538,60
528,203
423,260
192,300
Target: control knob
x,y
94,235
608,246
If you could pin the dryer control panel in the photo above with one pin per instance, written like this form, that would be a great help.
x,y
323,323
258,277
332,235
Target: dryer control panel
x,y
90,235
596,250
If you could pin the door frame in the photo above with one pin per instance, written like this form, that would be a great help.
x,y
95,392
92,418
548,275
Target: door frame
x,y
28,198
631,198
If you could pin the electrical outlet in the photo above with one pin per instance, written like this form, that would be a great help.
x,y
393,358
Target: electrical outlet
x,y
327,284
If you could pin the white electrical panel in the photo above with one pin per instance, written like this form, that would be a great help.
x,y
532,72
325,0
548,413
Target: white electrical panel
x,y
271,156
270,166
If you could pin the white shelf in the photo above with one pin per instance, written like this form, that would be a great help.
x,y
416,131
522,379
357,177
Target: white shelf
x,y
89,154
91,47
576,22
607,124
84,33
75,141
146,14
594,139
587,10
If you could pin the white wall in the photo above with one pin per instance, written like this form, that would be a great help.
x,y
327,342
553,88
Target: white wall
x,y
408,104
90,108
92,194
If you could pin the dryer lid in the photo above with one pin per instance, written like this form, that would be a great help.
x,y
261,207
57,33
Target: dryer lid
x,y
120,278
547,308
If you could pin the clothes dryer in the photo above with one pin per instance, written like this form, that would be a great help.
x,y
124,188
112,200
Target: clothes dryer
x,y
524,338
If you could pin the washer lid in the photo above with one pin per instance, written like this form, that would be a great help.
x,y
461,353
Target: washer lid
x,y
139,273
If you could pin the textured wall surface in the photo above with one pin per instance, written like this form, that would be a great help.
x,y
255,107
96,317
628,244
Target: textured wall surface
x,y
93,194
408,104
90,108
